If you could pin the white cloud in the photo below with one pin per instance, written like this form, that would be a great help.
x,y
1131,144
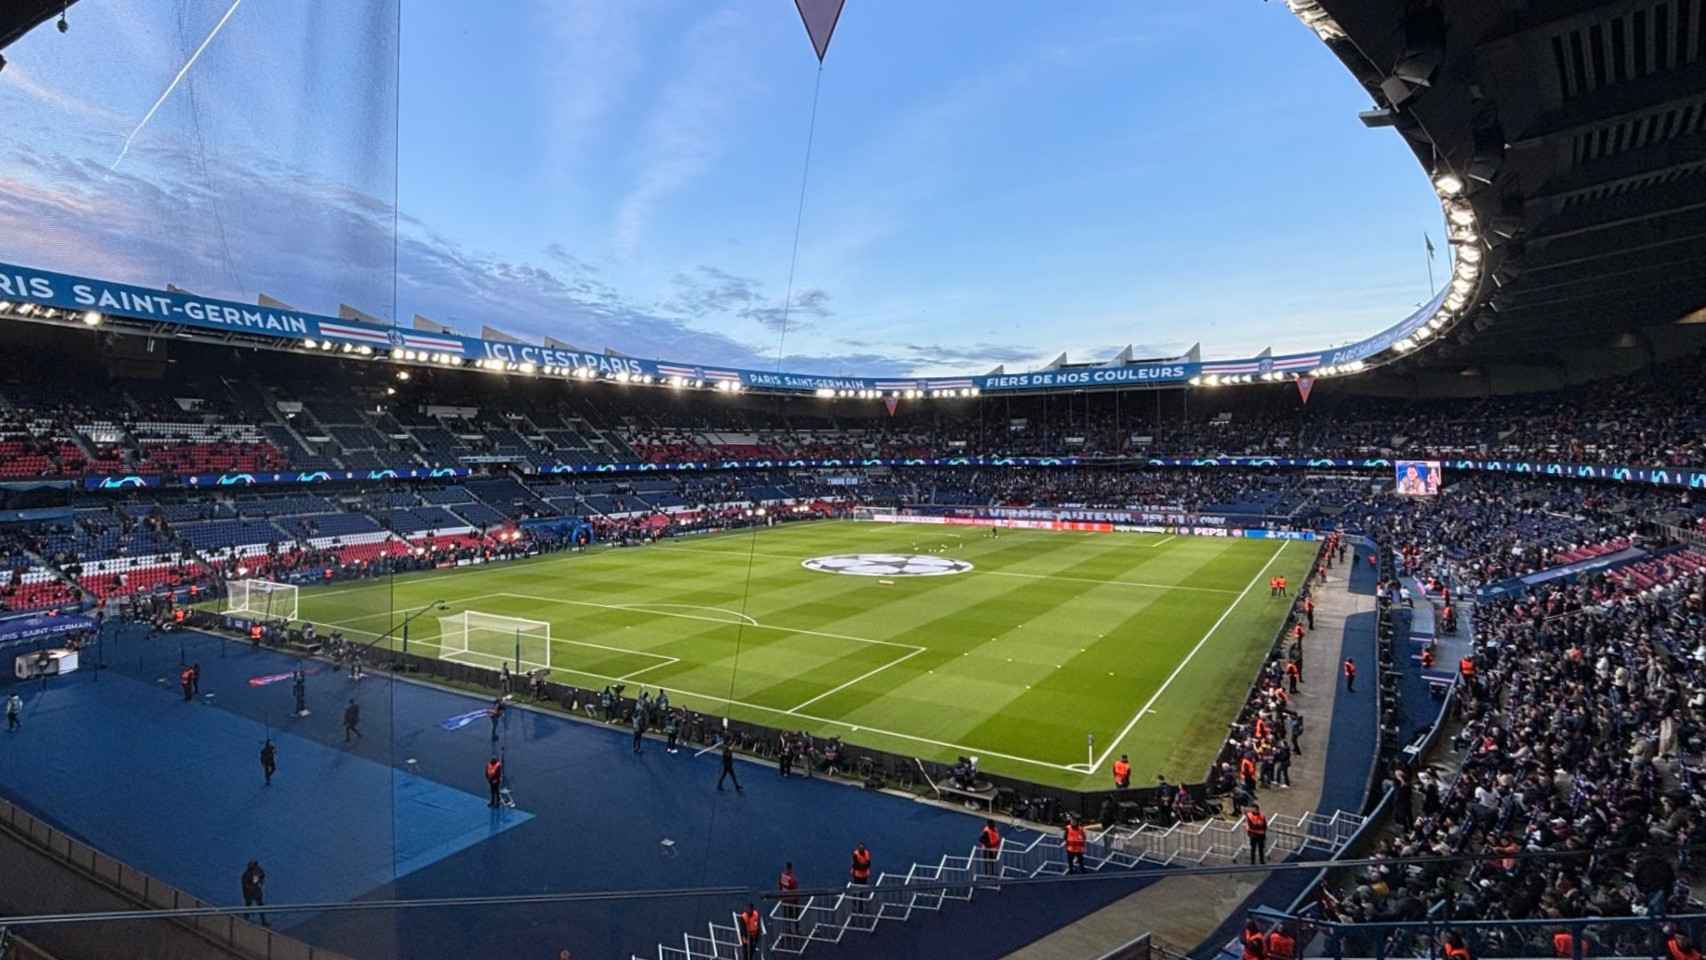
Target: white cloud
x,y
686,129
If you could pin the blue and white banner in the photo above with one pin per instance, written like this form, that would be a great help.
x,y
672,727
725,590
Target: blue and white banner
x,y
134,481
19,284
15,631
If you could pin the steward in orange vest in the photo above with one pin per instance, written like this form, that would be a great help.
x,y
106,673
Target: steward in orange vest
x,y
1074,847
1251,939
861,871
751,931
495,780
1122,772
1256,826
1280,945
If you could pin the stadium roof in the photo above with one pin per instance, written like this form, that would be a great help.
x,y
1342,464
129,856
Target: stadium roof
x,y
18,17
1577,129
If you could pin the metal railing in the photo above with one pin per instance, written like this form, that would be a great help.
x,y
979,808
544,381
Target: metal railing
x,y
227,931
795,923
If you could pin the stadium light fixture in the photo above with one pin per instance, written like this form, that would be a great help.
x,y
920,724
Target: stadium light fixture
x,y
310,345
1462,214
402,375
326,346
1470,254
92,318
1448,184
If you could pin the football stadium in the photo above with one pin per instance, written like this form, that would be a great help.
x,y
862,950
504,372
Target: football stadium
x,y
740,480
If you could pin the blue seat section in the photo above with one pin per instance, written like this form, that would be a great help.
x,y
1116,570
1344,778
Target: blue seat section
x,y
284,506
217,534
479,514
330,525
446,496
422,518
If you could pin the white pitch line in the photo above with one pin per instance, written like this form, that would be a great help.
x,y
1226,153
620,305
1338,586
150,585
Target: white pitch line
x,y
1158,543
1000,573
726,623
967,749
863,676
1111,583
669,661
647,608
1180,668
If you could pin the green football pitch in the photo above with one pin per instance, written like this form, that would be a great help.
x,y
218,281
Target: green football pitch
x,y
1147,643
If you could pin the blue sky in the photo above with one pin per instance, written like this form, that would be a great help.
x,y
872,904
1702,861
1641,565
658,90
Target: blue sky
x,y
982,190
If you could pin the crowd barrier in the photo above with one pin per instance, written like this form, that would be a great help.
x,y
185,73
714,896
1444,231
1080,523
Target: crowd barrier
x,y
225,934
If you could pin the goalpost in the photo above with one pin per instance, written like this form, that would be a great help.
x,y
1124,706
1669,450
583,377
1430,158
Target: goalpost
x,y
263,598
871,513
490,639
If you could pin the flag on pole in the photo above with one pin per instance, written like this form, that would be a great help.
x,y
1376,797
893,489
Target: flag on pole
x,y
1304,385
1430,242
820,17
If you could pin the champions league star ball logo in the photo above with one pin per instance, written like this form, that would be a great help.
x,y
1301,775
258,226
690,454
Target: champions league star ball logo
x,y
886,565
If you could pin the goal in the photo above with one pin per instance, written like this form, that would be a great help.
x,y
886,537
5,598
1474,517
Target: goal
x,y
263,598
871,513
490,639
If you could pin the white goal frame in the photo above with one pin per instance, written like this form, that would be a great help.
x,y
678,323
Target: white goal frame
x,y
524,644
265,598
870,513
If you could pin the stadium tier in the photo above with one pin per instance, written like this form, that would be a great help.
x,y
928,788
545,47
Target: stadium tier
x,y
672,527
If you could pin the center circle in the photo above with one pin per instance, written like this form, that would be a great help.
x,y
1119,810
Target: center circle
x,y
886,565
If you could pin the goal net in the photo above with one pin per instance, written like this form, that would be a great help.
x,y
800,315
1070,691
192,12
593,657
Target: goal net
x,y
262,598
871,513
490,639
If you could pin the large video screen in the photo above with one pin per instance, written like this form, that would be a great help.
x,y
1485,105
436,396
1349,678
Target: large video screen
x,y
1418,478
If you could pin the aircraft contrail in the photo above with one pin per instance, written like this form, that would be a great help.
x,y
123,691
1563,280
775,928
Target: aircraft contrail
x,y
174,84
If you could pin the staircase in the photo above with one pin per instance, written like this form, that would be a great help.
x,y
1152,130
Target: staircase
x,y
925,888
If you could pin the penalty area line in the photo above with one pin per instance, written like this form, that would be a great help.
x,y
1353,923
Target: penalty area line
x,y
1180,668
863,676
794,712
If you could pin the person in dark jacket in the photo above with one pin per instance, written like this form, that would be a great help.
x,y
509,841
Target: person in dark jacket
x,y
254,881
1656,879
269,760
352,720
729,767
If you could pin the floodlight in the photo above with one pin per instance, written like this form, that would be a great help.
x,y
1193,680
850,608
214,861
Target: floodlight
x,y
92,318
402,374
1448,184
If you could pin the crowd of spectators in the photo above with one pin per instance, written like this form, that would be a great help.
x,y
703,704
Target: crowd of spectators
x,y
1583,734
1653,418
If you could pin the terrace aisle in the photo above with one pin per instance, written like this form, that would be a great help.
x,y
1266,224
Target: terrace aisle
x,y
1182,911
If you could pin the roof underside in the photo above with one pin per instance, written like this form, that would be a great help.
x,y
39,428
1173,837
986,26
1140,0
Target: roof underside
x,y
18,17
1582,127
